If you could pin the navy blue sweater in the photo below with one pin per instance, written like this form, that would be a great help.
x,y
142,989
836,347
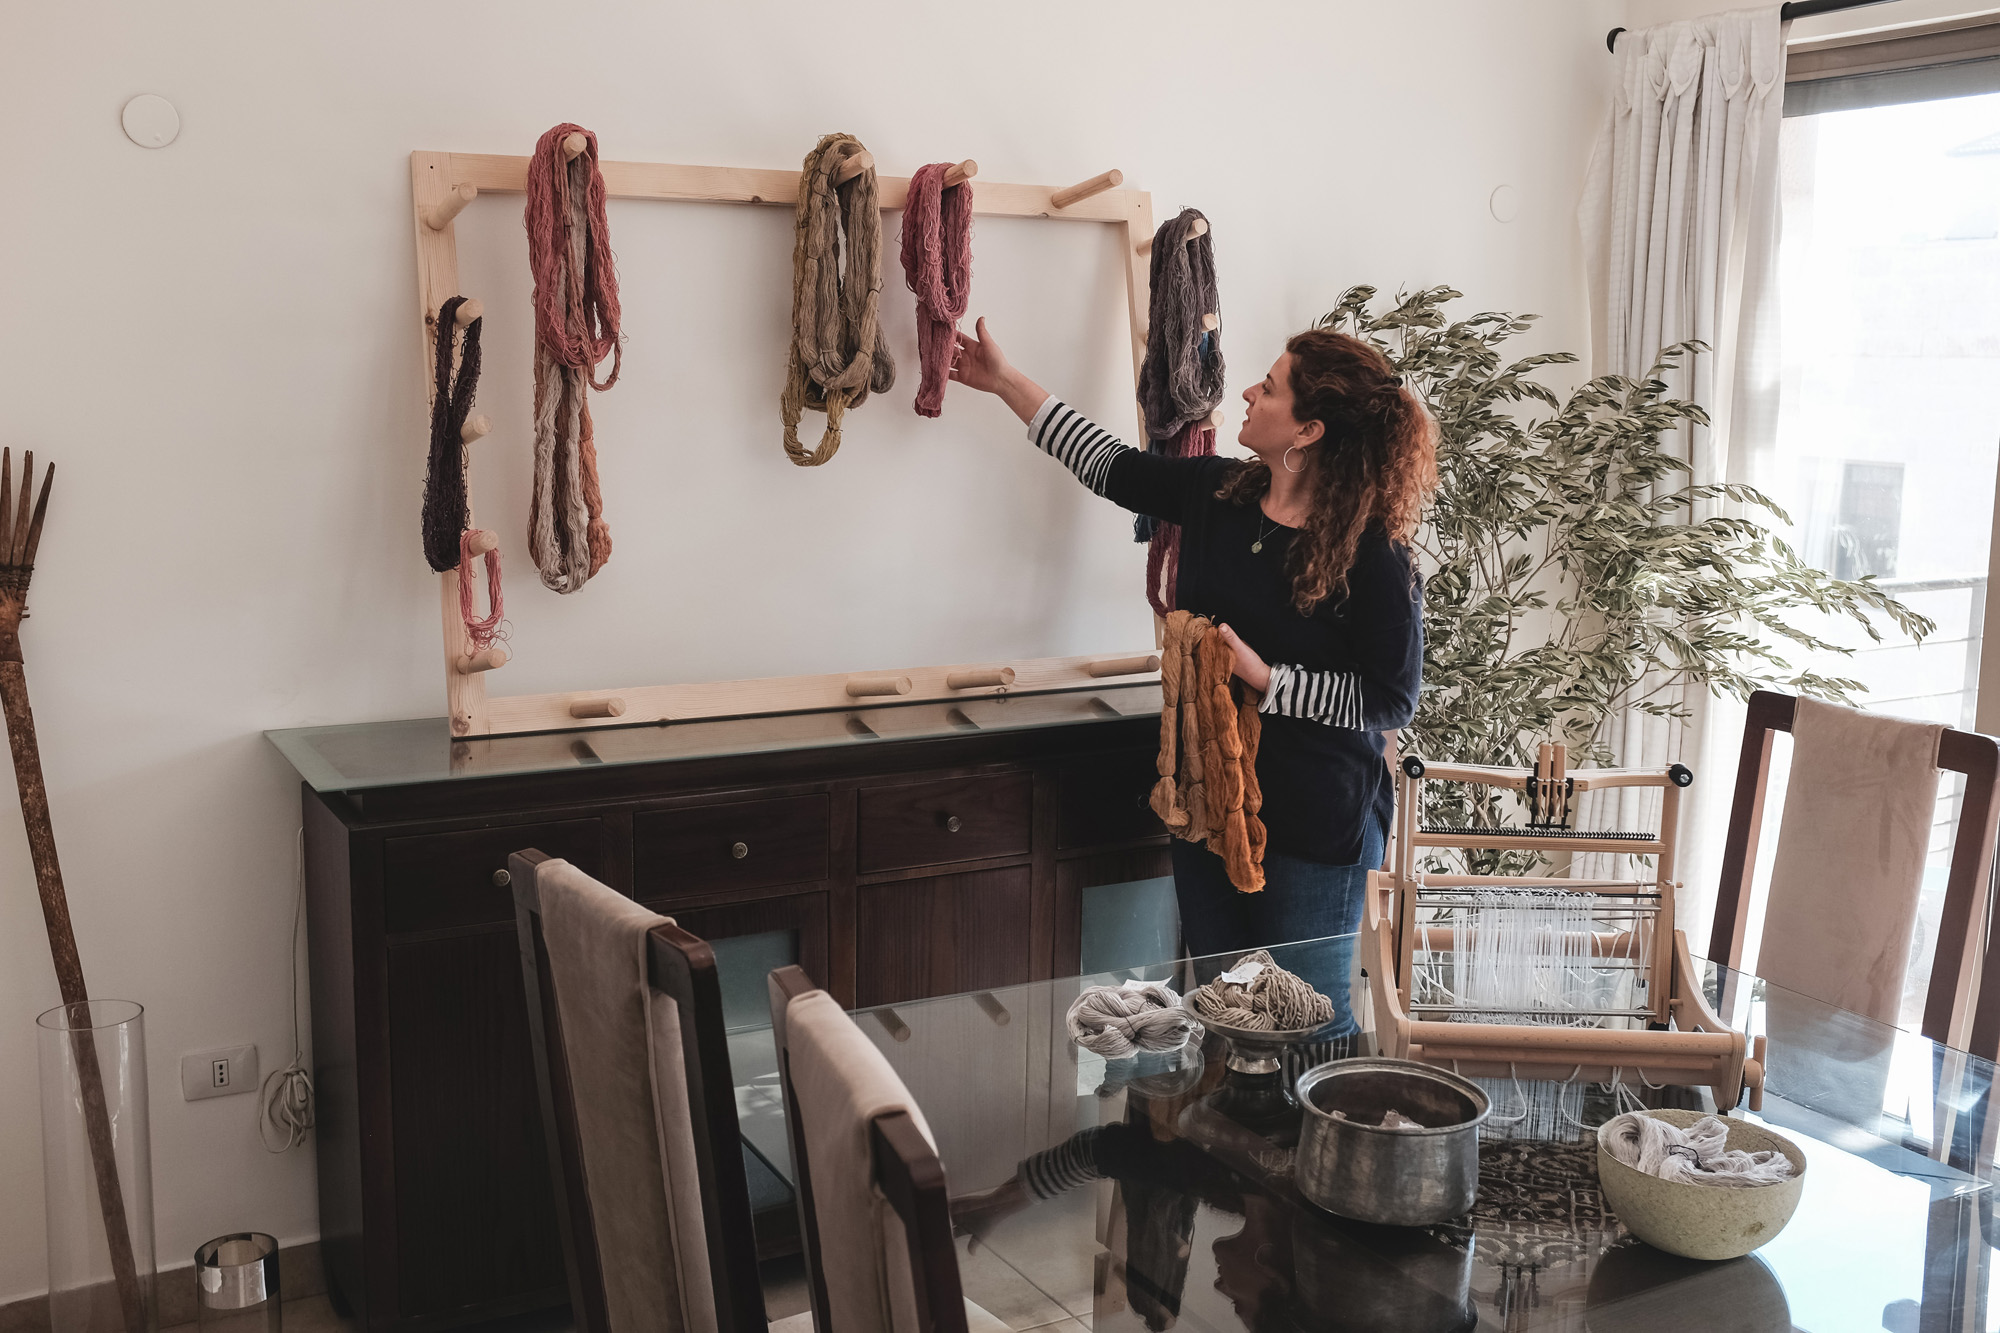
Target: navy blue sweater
x,y
1339,677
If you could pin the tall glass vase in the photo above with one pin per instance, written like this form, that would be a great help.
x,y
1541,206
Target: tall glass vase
x,y
97,1166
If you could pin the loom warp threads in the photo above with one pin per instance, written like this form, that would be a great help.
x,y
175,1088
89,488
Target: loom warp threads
x,y
838,354
445,503
576,327
1257,995
1118,1021
937,263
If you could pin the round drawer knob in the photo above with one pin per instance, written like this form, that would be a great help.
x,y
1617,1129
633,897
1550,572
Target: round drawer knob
x,y
501,879
953,824
739,850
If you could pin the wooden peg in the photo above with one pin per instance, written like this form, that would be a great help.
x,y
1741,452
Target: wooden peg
x,y
869,687
891,1024
612,707
961,173
1211,322
468,310
474,428
1109,180
1122,666
486,661
1215,419
854,166
989,1004
1200,228
574,146
438,216
983,677
483,541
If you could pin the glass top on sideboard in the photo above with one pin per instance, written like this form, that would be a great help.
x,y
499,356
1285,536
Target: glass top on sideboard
x,y
357,755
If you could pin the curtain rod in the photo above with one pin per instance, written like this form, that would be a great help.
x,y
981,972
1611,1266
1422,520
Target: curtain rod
x,y
1797,9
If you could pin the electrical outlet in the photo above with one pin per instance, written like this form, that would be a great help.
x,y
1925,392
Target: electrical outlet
x,y
218,1073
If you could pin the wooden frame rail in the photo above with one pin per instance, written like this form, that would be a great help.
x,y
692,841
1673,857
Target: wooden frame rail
x,y
444,184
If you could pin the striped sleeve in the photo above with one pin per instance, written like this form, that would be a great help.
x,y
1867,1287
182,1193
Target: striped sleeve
x,y
1329,697
1065,1166
1076,442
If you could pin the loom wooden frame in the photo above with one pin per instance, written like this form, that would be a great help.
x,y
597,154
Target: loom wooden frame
x,y
1688,1044
438,181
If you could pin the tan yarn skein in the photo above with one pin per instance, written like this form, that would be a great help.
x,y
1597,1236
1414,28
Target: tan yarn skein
x,y
838,354
1166,797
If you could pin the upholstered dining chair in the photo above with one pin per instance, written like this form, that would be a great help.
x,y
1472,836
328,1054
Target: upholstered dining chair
x,y
1856,829
639,1110
872,1198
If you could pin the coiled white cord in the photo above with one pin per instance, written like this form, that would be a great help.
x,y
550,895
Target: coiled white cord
x,y
287,1093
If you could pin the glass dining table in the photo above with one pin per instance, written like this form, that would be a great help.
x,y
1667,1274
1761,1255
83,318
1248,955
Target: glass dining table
x,y
1122,1195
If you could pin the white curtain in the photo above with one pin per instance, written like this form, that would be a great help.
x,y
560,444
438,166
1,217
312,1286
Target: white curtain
x,y
1680,235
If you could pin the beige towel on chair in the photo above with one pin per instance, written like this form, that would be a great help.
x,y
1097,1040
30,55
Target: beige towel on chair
x,y
624,1055
1850,859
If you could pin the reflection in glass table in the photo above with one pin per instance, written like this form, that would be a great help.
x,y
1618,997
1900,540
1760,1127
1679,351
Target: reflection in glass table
x,y
1114,1193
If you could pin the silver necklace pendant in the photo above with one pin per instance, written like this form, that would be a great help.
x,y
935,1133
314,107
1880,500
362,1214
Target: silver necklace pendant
x,y
1256,546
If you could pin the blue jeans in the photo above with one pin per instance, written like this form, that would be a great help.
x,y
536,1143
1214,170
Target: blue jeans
x,y
1302,900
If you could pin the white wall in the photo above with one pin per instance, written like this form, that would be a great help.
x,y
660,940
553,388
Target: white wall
x,y
217,342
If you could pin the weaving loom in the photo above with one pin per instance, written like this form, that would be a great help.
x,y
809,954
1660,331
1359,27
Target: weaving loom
x,y
1541,984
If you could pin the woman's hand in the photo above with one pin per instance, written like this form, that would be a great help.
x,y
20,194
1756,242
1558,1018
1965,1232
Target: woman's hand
x,y
978,363
1251,669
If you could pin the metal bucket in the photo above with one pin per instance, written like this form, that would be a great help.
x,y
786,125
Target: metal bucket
x,y
1352,1166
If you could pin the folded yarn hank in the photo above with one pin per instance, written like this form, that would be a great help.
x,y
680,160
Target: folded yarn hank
x,y
937,263
1693,1156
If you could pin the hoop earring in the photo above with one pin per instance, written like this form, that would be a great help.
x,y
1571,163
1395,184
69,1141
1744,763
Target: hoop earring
x,y
1287,459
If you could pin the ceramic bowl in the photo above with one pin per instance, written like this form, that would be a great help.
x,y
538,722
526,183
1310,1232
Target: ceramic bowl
x,y
1703,1221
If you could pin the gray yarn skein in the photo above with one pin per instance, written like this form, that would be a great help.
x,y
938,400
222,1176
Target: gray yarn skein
x,y
1117,1021
1181,378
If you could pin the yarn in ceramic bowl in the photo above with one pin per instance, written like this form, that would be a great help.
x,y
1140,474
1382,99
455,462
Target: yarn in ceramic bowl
x,y
1703,1221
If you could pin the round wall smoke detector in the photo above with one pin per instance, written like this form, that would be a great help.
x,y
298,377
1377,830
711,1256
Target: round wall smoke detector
x,y
151,121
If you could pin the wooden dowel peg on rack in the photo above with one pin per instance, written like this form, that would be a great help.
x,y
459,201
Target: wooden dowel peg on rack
x,y
989,1004
1200,228
574,146
1122,666
1109,180
981,678
1211,322
472,308
892,1024
488,660
854,166
961,173
611,707
438,216
483,540
474,428
871,687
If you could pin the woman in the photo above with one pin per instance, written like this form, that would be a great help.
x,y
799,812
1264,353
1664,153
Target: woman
x,y
1301,558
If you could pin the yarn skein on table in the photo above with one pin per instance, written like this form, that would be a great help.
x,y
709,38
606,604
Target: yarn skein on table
x,y
838,354
1181,377
937,264
445,501
1208,790
576,327
1117,1021
1257,995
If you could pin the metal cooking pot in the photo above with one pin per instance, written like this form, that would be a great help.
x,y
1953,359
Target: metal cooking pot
x,y
1352,1166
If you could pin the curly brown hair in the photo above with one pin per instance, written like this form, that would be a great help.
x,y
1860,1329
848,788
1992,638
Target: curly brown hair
x,y
1375,463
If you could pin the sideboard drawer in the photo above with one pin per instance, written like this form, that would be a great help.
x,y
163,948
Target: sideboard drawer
x,y
937,823
1106,798
437,880
737,845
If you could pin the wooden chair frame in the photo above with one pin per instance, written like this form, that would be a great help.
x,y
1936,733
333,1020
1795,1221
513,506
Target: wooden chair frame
x,y
443,184
910,1176
681,967
1955,965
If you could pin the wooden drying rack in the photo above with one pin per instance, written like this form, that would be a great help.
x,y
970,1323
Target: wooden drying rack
x,y
442,184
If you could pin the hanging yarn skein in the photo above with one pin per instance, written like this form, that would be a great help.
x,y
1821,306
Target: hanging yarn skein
x,y
445,501
838,354
937,264
1181,378
482,630
576,327
1208,790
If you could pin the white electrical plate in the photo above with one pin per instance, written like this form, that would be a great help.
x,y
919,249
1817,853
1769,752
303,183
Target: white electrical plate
x,y
222,1072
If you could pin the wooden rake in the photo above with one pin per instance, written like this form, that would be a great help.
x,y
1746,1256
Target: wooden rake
x,y
20,534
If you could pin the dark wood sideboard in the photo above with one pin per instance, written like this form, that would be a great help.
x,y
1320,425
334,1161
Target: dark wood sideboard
x,y
908,852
